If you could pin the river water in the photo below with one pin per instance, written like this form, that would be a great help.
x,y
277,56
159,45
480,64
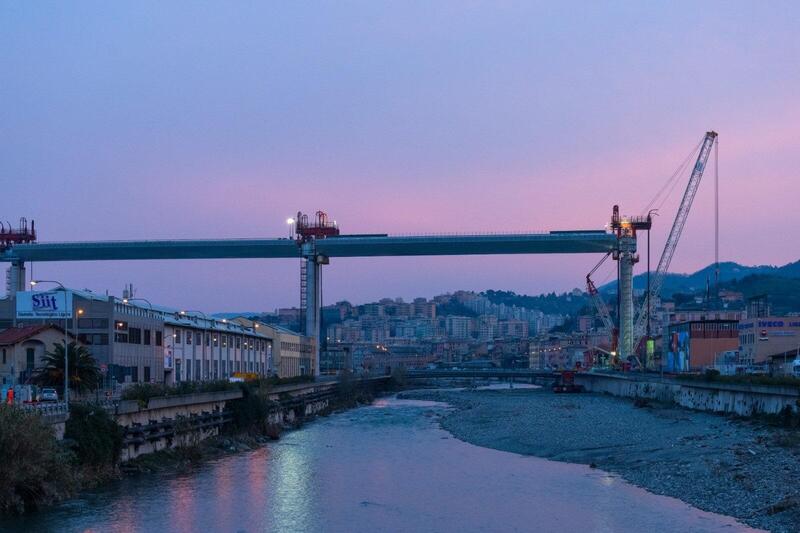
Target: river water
x,y
386,467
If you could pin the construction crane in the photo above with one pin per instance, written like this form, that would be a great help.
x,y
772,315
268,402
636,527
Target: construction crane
x,y
657,280
600,304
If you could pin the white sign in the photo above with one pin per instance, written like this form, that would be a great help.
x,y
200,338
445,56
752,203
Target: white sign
x,y
44,304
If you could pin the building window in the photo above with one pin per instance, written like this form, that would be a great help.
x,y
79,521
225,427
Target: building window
x,y
177,336
94,339
135,336
147,337
121,337
208,339
93,323
238,342
216,341
120,325
188,337
147,374
159,334
134,374
4,356
198,338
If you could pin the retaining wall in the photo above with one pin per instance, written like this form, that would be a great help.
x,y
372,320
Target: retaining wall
x,y
739,399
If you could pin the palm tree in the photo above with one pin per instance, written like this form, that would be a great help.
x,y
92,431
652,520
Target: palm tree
x,y
84,374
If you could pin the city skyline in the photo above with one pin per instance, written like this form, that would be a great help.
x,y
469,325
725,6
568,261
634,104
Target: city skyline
x,y
174,121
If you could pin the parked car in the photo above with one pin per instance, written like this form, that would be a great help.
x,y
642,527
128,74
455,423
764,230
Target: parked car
x,y
48,395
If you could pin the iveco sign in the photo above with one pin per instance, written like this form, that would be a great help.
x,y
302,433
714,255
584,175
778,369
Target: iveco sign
x,y
44,304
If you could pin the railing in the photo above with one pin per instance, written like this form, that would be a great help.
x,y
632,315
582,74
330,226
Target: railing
x,y
44,408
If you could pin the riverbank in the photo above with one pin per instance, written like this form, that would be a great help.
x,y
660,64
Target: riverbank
x,y
745,469
162,434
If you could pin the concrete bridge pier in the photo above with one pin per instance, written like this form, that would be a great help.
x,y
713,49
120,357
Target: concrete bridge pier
x,y
312,295
16,279
627,258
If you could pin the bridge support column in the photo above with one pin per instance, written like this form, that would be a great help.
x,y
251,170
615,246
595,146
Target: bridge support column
x,y
15,282
627,258
313,266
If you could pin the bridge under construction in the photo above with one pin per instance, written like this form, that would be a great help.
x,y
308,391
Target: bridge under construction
x,y
317,240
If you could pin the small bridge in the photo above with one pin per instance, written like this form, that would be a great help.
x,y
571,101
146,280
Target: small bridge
x,y
484,373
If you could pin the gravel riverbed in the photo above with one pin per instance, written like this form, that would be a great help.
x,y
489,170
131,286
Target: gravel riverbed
x,y
745,469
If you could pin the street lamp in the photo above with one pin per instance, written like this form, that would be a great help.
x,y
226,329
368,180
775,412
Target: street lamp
x,y
35,282
145,300
290,222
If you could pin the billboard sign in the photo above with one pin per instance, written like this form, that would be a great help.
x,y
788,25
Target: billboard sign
x,y
44,304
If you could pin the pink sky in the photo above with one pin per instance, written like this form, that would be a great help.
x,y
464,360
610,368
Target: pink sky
x,y
182,121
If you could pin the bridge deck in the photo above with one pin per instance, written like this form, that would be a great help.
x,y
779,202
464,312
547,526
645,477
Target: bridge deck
x,y
362,246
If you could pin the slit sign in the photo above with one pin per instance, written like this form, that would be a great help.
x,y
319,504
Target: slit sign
x,y
44,304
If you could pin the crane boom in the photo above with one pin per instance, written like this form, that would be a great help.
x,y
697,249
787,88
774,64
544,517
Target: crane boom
x,y
600,304
657,280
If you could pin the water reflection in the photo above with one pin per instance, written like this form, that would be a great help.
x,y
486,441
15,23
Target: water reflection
x,y
388,467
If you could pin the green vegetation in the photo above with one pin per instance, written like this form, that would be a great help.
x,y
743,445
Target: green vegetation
x,y
552,303
144,392
250,413
95,436
34,469
84,374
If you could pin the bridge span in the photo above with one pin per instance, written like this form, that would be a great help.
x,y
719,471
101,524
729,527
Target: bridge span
x,y
344,246
315,250
481,373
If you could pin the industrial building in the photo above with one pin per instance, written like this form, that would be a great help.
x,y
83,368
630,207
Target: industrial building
x,y
695,344
134,341
292,353
762,337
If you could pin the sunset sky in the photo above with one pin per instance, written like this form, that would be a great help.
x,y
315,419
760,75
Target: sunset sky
x,y
147,120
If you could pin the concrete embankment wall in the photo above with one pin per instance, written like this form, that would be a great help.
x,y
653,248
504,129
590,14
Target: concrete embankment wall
x,y
175,421
739,399
171,421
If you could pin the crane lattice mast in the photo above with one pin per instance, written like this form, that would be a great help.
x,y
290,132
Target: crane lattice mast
x,y
674,235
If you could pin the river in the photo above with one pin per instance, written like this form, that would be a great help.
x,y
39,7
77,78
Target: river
x,y
385,467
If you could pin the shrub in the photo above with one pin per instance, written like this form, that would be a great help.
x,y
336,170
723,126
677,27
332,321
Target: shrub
x,y
96,436
143,392
249,413
34,468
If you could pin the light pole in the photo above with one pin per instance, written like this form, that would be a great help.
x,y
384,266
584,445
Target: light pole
x,y
35,282
145,300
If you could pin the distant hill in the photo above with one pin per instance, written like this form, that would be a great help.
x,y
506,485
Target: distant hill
x,y
696,282
783,293
552,303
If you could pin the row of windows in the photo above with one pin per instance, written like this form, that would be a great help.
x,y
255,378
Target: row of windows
x,y
714,326
296,347
137,336
93,323
186,337
215,369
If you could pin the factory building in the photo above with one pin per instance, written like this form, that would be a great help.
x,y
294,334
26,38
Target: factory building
x,y
134,341
762,337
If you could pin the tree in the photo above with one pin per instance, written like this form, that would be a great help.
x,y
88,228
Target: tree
x,y
84,374
34,469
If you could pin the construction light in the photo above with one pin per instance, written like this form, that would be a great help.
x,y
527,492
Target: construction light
x,y
33,283
290,221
